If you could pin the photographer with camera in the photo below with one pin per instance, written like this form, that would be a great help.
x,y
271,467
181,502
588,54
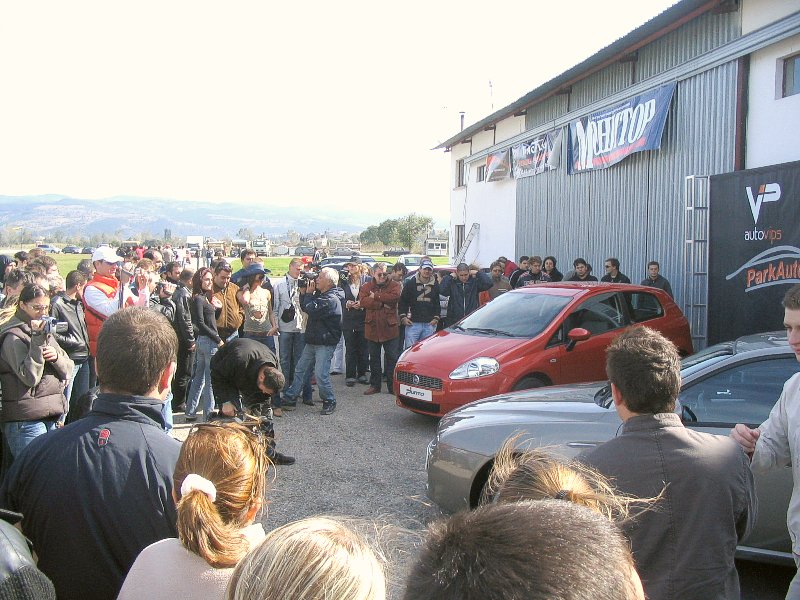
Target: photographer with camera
x,y
244,377
34,370
321,299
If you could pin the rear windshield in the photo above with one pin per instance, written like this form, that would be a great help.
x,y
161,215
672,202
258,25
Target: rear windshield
x,y
412,261
514,315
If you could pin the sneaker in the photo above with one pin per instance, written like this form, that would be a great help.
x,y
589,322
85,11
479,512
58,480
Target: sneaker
x,y
363,379
282,459
371,390
308,402
289,404
350,382
328,407
336,372
190,418
277,412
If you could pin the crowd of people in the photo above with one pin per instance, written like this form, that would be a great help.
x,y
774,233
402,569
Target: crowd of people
x,y
114,506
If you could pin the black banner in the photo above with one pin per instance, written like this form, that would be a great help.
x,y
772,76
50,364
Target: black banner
x,y
754,249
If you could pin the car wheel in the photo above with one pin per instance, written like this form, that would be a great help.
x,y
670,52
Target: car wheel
x,y
528,383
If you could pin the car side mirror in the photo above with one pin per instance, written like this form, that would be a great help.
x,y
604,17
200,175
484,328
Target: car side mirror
x,y
578,334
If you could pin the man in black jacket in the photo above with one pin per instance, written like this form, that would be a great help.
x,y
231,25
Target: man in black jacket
x,y
68,307
183,327
419,304
463,291
99,491
244,376
321,299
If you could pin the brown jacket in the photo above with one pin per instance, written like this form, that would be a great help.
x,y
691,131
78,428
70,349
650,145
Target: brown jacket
x,y
380,321
231,316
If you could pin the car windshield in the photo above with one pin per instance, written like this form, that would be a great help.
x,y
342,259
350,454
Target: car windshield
x,y
412,261
515,315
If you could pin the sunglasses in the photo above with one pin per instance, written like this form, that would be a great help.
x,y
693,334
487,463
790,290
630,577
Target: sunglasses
x,y
38,307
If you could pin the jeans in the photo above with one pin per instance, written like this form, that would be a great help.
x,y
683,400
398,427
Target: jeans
x,y
166,412
320,356
183,375
291,346
269,342
79,383
201,380
391,350
416,332
356,353
19,434
337,362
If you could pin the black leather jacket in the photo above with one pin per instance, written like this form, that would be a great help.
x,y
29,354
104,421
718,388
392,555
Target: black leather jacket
x,y
183,315
75,342
19,577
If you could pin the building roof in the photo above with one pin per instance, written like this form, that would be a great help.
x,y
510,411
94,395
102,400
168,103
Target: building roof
x,y
660,25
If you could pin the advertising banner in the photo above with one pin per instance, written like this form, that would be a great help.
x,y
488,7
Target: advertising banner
x,y
754,249
537,155
604,138
498,166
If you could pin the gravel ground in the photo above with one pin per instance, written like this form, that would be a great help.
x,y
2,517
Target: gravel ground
x,y
366,460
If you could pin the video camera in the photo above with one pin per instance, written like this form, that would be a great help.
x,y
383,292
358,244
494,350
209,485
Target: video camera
x,y
256,417
305,277
53,325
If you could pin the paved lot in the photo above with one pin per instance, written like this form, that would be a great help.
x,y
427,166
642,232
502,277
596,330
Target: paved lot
x,y
367,460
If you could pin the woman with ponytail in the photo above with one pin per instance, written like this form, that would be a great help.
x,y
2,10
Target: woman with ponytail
x,y
34,370
219,485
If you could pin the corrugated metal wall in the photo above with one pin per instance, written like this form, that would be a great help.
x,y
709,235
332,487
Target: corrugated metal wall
x,y
634,209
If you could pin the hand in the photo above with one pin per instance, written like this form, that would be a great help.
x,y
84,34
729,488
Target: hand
x,y
746,438
216,302
257,314
228,409
405,320
273,330
49,353
357,305
434,322
37,325
312,286
192,347
349,304
141,281
221,344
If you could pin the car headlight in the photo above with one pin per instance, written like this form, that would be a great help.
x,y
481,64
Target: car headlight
x,y
477,367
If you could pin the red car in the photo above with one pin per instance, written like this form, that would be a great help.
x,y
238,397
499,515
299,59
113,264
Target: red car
x,y
534,336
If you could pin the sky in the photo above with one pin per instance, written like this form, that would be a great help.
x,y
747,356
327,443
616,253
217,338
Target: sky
x,y
307,104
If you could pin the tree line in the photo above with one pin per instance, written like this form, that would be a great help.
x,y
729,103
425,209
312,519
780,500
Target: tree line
x,y
403,231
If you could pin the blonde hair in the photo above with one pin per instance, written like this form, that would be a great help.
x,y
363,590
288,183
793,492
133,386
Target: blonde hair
x,y
537,475
234,459
310,559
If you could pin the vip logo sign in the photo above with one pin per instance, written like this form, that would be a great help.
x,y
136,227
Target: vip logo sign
x,y
767,192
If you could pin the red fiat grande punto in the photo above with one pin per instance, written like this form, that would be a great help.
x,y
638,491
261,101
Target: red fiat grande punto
x,y
540,335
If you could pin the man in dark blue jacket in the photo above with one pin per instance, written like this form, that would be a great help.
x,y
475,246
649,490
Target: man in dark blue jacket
x,y
463,291
99,491
321,300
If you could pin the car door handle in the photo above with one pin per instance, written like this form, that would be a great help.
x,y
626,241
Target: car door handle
x,y
583,444
724,393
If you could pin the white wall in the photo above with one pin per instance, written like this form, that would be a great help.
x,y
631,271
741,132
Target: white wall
x,y
493,204
772,121
757,13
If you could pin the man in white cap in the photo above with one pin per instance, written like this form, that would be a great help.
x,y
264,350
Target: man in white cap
x,y
419,304
103,295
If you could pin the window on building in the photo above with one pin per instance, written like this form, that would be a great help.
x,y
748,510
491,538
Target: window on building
x,y
791,75
481,173
459,237
461,173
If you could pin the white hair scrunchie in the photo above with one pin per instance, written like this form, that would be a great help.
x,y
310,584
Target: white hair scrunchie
x,y
201,484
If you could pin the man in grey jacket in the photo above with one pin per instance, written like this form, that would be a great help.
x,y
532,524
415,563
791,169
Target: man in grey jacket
x,y
684,546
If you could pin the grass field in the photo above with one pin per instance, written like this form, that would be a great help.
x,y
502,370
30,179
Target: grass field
x,y
278,265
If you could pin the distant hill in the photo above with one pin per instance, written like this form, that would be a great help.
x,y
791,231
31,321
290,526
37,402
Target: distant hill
x,y
131,216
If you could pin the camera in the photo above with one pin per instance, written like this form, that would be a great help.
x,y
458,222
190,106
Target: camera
x,y
305,277
53,325
254,419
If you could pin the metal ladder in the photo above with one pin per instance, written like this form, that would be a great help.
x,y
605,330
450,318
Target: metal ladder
x,y
463,251
695,257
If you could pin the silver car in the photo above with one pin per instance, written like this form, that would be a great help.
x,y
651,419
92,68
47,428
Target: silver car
x,y
725,384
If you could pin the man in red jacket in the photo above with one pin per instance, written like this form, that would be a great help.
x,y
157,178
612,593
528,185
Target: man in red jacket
x,y
379,298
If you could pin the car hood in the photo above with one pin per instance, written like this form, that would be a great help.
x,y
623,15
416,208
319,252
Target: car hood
x,y
447,350
555,404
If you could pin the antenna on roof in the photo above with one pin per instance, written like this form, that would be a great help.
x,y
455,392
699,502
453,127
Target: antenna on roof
x,y
462,119
491,96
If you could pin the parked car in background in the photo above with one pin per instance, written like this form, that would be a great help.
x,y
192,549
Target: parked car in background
x,y
304,251
87,250
546,334
49,249
396,251
71,250
337,262
410,260
725,384
343,251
